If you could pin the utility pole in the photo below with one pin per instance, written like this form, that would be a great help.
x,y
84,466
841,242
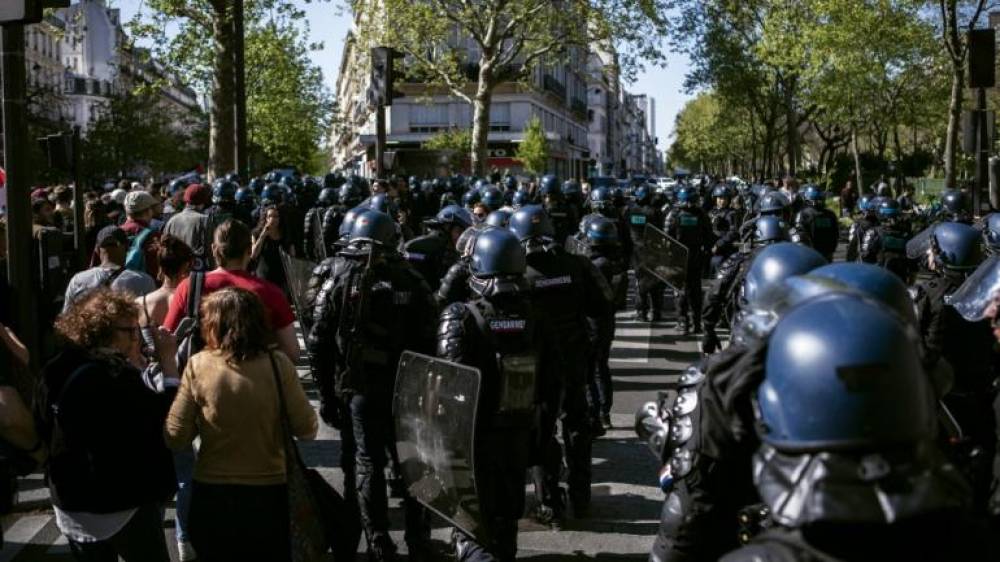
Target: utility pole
x,y
239,70
15,135
380,95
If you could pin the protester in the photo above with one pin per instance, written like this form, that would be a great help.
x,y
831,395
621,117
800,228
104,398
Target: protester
x,y
231,249
270,238
192,225
848,199
112,246
110,472
63,197
42,217
140,208
228,398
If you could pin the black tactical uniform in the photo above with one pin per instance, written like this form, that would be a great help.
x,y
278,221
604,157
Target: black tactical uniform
x,y
372,308
818,227
885,246
650,294
690,226
314,242
725,223
432,255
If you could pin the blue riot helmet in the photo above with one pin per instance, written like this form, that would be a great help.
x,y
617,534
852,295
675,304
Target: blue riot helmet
x,y
991,232
271,177
348,222
829,388
510,183
521,198
813,195
770,229
470,198
686,196
453,215
491,197
427,187
776,263
497,253
531,222
413,182
349,195
257,185
383,204
571,190
374,227
331,181
618,197
642,195
721,191
458,183
601,231
888,209
478,183
873,281
233,177
273,194
955,202
956,246
865,202
773,203
246,198
224,192
549,185
177,185
327,197
499,218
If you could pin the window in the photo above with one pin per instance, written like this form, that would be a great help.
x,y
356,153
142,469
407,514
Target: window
x,y
428,118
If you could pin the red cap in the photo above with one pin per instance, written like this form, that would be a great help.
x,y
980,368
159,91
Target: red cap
x,y
197,194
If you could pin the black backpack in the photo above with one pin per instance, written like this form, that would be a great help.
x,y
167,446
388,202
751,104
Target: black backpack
x,y
189,331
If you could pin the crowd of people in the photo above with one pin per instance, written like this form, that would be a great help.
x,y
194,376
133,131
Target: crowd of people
x,y
851,399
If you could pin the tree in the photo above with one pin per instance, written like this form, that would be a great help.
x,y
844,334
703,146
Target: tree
x,y
533,152
289,109
452,144
195,38
469,48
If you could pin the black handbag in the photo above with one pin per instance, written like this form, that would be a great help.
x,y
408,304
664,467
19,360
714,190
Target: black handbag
x,y
320,519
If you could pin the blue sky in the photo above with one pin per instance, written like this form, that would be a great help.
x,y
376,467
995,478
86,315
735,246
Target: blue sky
x,y
329,26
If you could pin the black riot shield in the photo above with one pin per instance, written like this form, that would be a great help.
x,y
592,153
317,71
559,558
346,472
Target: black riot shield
x,y
435,408
916,247
576,246
297,274
316,228
664,257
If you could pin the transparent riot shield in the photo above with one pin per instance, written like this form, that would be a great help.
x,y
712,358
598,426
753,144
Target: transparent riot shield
x,y
664,257
297,274
435,408
576,246
973,299
916,247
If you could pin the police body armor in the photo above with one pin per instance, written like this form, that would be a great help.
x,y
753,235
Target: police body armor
x,y
431,256
315,245
330,227
818,228
885,245
725,226
564,220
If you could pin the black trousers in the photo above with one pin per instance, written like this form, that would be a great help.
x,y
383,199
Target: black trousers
x,y
140,540
231,522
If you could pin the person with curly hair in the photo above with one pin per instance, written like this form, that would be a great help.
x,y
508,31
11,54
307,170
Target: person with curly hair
x,y
229,397
101,411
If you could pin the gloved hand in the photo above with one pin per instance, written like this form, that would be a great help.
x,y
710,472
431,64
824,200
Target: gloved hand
x,y
710,343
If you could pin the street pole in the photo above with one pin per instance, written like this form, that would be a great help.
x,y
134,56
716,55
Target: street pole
x,y
982,153
380,141
81,250
19,239
239,69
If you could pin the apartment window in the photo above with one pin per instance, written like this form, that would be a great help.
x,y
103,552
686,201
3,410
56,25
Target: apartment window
x,y
428,118
500,117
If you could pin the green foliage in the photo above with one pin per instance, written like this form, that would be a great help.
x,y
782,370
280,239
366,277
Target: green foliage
x,y
453,144
709,134
533,152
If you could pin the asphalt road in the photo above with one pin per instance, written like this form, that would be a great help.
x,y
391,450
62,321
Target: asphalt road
x,y
626,500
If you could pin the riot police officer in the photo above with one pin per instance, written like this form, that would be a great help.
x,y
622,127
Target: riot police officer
x,y
224,204
955,252
956,207
866,218
848,430
314,242
434,253
567,290
723,295
725,222
564,217
496,331
650,293
348,196
815,225
690,225
885,244
602,240
991,233
373,308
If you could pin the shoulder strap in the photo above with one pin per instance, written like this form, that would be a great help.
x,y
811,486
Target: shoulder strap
x,y
114,275
291,451
54,403
195,285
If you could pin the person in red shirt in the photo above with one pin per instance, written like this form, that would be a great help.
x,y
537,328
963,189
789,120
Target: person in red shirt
x,y
231,248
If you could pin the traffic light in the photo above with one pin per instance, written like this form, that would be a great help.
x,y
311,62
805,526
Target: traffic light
x,y
383,75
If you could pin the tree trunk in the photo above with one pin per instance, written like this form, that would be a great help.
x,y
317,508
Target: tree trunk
x,y
222,141
954,120
857,162
481,118
792,128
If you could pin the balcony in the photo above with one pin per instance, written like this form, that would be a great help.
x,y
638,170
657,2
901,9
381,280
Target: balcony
x,y
553,86
579,108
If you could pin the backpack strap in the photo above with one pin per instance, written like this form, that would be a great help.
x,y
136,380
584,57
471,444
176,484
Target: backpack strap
x,y
114,275
196,285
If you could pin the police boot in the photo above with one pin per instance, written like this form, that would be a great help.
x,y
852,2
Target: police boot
x,y
697,325
382,549
642,315
683,326
657,316
606,421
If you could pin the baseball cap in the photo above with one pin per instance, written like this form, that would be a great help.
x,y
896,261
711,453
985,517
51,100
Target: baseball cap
x,y
110,236
197,194
138,201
